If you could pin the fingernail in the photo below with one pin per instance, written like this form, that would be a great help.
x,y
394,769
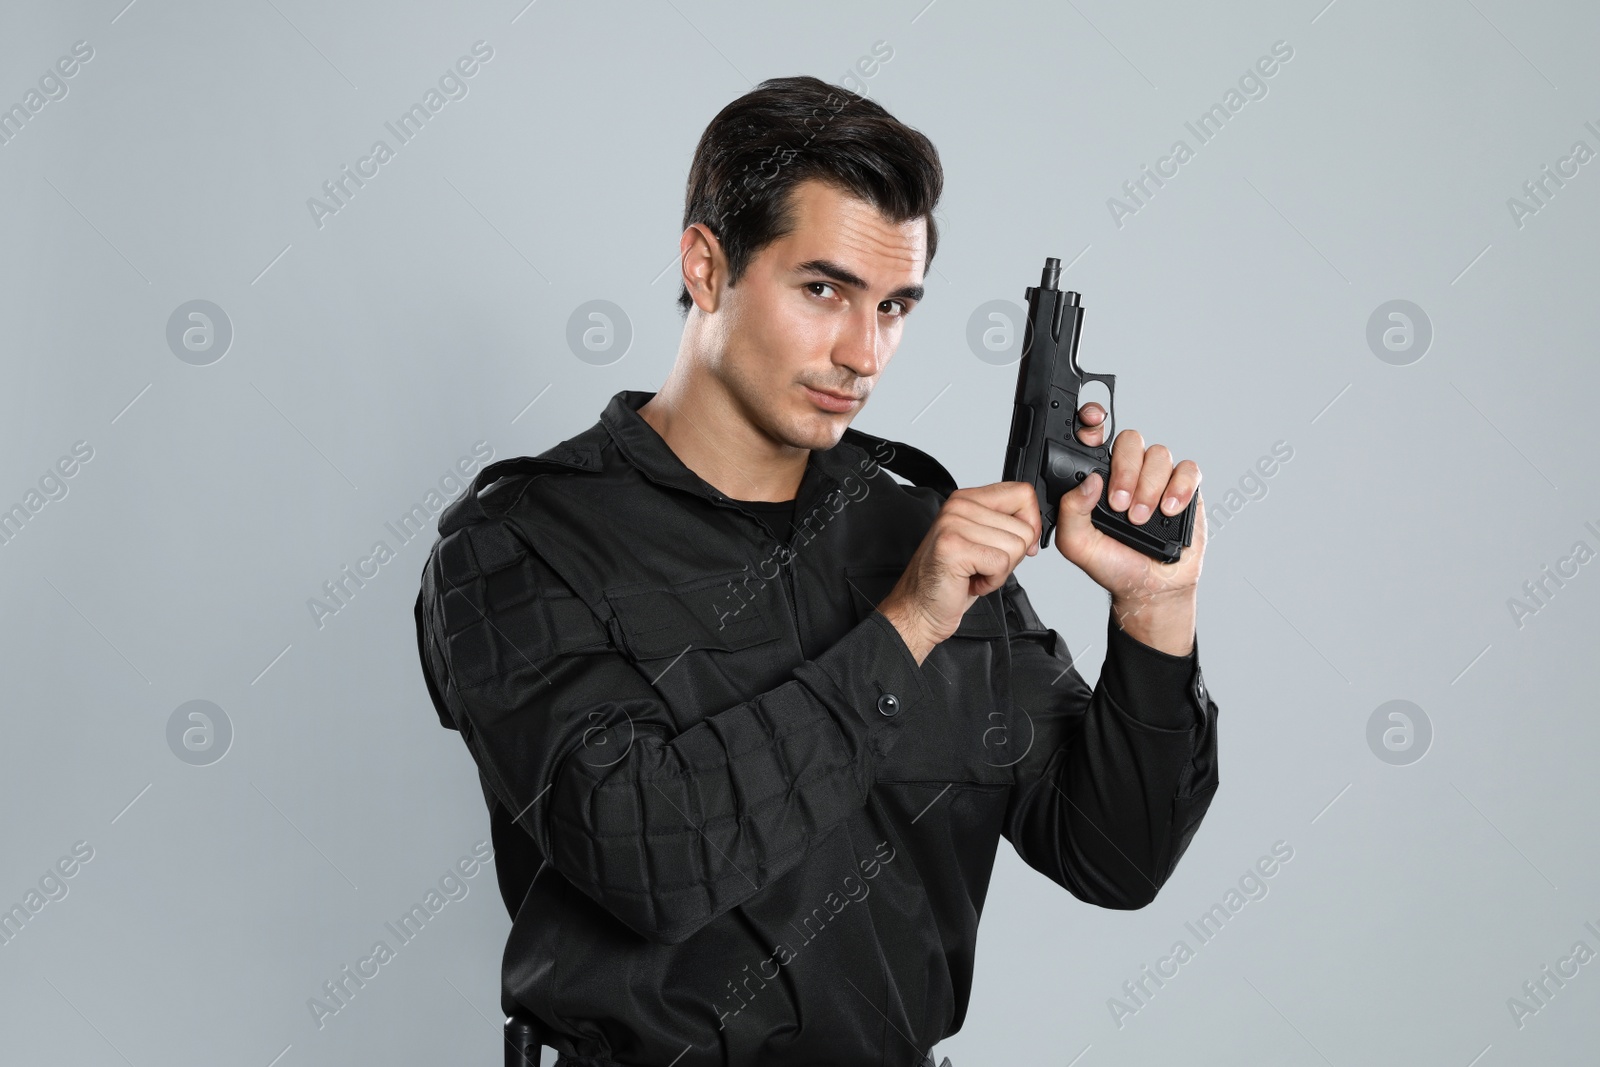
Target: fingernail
x,y
1120,498
1140,513
1171,504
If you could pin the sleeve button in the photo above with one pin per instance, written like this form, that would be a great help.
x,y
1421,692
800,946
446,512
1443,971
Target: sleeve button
x,y
889,704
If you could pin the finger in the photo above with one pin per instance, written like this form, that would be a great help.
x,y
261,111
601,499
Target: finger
x,y
1127,457
1093,417
1181,488
1018,529
1153,477
1009,498
981,535
985,555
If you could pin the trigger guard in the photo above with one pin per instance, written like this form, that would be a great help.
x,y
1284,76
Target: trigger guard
x,y
1109,426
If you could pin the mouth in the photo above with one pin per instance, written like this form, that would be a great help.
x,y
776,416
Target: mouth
x,y
832,402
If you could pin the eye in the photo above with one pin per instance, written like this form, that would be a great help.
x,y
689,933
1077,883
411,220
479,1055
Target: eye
x,y
902,313
812,285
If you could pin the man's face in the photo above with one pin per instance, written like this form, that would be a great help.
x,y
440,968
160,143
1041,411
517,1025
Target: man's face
x,y
820,309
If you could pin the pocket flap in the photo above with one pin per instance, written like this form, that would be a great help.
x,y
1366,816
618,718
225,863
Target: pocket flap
x,y
703,613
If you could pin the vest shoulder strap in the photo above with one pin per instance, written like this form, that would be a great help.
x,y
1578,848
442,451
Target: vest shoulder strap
x,y
912,464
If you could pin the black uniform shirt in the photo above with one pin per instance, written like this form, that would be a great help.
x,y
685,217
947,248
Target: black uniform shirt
x,y
736,822
776,515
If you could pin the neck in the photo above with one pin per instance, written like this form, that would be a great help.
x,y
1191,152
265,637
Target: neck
x,y
709,432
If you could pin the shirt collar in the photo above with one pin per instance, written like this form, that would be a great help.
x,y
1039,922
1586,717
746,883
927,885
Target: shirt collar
x,y
643,447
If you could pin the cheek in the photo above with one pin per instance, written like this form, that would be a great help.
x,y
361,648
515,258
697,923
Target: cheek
x,y
889,339
809,341
781,342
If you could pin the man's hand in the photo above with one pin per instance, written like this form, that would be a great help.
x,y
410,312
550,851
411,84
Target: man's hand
x,y
1154,601
975,542
981,534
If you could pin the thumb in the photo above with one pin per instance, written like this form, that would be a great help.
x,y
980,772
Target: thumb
x,y
1072,512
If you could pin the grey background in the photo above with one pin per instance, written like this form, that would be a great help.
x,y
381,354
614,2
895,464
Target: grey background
x,y
368,355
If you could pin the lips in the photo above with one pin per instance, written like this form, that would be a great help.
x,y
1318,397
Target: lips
x,y
837,403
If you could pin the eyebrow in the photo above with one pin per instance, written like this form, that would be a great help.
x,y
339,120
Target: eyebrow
x,y
830,269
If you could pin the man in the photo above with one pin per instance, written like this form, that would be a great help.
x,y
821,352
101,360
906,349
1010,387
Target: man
x,y
750,715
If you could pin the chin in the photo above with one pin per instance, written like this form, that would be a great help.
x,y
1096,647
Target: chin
x,y
825,431
815,430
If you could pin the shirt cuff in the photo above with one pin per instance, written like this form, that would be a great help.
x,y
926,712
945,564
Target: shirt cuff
x,y
877,680
1150,686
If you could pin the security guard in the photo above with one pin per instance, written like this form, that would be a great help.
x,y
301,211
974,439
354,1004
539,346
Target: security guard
x,y
750,714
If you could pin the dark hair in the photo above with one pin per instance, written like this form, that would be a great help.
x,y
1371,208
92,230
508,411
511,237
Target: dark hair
x,y
785,131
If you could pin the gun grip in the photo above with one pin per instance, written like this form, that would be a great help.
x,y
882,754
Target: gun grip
x,y
1163,537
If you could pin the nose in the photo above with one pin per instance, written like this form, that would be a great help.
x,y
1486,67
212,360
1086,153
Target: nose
x,y
861,346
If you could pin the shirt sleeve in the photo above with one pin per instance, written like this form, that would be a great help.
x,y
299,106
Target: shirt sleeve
x,y
1120,776
666,828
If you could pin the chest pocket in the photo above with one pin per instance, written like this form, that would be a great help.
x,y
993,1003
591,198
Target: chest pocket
x,y
703,648
967,732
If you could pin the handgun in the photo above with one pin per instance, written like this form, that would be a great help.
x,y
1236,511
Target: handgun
x,y
1044,449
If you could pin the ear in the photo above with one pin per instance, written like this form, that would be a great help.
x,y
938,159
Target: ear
x,y
705,268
